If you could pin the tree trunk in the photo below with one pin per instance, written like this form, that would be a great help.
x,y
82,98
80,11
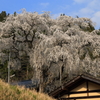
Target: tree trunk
x,y
27,73
60,75
41,85
41,88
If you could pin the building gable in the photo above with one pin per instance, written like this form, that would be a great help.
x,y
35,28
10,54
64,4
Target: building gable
x,y
80,88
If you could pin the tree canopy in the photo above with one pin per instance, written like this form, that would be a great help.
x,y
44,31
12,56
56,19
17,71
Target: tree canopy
x,y
57,49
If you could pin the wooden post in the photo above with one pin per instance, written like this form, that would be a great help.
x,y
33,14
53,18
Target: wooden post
x,y
87,85
9,70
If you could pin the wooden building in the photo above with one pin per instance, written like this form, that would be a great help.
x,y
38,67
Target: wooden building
x,y
82,87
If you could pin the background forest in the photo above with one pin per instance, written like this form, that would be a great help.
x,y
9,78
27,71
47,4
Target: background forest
x,y
24,73
48,51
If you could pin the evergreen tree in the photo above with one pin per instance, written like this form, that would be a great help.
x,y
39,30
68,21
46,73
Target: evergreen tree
x,y
3,15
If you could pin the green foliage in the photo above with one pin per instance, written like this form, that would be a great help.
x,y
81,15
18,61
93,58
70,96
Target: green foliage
x,y
15,13
25,73
3,15
89,29
98,33
3,71
13,87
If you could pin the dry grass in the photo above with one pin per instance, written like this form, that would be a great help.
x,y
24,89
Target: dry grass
x,y
8,92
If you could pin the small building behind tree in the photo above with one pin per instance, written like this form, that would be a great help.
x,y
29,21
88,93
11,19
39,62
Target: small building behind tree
x,y
82,87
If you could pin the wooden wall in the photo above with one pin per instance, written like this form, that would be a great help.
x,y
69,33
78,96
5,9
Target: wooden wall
x,y
85,91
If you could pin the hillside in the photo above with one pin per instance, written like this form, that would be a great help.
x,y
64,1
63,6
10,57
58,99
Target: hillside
x,y
8,92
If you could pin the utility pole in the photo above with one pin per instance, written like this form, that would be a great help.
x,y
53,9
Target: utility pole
x,y
9,69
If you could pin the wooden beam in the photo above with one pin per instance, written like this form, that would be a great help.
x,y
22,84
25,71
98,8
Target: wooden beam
x,y
78,92
84,91
84,97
